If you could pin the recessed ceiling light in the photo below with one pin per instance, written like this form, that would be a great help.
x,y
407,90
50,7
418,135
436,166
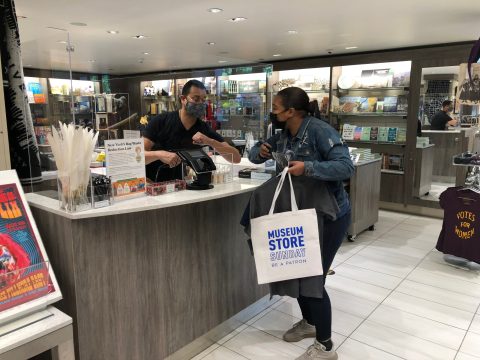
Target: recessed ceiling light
x,y
92,61
146,53
222,61
215,10
237,19
78,24
276,55
351,47
139,37
113,32
292,32
210,43
141,61
61,42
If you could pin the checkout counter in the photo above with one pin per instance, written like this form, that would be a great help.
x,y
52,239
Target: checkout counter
x,y
449,143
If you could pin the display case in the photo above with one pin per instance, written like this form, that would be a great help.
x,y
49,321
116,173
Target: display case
x,y
158,96
315,82
112,116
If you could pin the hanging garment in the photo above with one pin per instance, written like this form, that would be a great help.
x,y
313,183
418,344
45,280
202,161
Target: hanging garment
x,y
24,154
460,235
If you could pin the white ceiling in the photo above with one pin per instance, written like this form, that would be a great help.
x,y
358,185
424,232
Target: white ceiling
x,y
178,31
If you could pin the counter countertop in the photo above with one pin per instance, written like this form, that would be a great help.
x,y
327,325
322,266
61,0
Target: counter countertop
x,y
144,203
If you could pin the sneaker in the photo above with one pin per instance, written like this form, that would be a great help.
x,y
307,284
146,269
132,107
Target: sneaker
x,y
318,351
300,331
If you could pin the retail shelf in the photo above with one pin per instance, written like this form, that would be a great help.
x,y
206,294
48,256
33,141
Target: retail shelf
x,y
388,171
373,142
384,114
397,88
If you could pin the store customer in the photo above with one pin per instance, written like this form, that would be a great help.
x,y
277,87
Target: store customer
x,y
317,151
440,120
183,129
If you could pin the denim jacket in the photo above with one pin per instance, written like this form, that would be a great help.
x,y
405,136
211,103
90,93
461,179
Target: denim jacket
x,y
322,150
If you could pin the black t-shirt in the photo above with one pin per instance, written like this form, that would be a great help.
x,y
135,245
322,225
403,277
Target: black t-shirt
x,y
440,120
167,132
461,227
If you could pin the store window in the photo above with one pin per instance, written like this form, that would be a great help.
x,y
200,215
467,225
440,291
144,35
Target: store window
x,y
455,136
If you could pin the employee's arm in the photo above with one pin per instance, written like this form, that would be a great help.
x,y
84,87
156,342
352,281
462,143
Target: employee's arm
x,y
220,147
167,157
452,122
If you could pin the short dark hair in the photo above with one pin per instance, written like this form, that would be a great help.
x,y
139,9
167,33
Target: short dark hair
x,y
295,98
446,103
190,84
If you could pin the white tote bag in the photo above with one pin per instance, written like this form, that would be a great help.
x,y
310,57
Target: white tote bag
x,y
286,245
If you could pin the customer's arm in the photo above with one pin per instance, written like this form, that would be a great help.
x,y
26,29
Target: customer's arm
x,y
262,151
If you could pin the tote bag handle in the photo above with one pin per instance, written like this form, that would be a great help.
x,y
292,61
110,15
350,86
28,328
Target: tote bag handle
x,y
293,201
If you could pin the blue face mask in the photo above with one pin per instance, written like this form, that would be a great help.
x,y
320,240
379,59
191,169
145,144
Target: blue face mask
x,y
196,110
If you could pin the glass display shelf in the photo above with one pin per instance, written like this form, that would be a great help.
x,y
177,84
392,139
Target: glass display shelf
x,y
384,114
399,88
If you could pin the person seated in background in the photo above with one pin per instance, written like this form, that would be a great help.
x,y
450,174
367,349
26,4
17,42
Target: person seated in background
x,y
442,118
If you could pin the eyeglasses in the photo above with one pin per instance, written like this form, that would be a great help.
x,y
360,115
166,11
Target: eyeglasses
x,y
197,99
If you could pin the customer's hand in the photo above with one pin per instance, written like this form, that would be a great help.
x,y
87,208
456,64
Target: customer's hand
x,y
296,168
265,150
169,158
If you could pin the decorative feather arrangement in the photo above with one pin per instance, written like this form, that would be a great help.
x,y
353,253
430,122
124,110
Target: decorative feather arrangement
x,y
72,148
474,57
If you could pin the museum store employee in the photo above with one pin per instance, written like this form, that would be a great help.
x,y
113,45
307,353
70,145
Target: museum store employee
x,y
441,118
178,130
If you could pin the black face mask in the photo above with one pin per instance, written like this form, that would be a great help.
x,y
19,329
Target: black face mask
x,y
275,123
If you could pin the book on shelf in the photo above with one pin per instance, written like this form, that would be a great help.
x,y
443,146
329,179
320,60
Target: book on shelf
x,y
374,133
402,104
348,131
350,104
365,136
390,104
357,135
401,135
392,134
383,134
379,108
368,104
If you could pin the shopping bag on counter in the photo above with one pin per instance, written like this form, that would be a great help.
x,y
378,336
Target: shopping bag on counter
x,y
286,245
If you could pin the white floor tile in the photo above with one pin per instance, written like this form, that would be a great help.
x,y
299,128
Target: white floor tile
x,y
422,221
438,295
232,334
475,327
206,352
223,353
420,327
428,277
429,229
351,304
471,344
290,307
260,315
462,356
354,350
408,233
256,344
382,264
401,344
347,250
399,249
393,257
412,241
435,265
368,276
430,310
357,288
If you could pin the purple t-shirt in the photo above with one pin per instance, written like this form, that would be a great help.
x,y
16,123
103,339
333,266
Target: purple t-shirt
x,y
460,235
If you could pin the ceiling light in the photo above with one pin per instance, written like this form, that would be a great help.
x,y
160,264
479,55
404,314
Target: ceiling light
x,y
292,32
61,42
210,43
146,53
113,31
92,61
139,37
237,19
215,10
351,47
78,24
222,61
276,55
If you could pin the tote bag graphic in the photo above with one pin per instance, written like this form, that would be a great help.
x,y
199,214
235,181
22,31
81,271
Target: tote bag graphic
x,y
286,245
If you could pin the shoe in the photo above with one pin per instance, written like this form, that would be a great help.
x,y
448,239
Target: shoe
x,y
300,331
318,351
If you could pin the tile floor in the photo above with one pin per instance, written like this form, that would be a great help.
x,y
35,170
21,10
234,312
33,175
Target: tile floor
x,y
393,297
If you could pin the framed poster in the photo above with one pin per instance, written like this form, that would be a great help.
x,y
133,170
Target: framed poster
x,y
27,282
